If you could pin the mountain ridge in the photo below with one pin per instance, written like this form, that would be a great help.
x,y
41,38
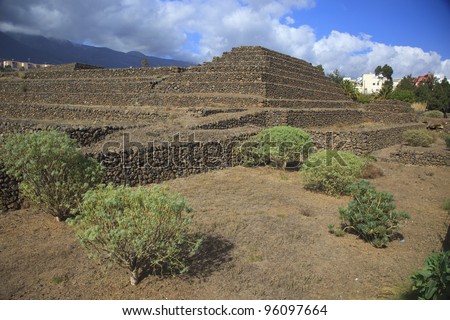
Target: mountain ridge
x,y
40,49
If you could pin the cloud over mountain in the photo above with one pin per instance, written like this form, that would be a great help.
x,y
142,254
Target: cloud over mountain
x,y
196,30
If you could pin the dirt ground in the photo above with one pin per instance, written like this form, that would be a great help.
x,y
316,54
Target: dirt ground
x,y
266,237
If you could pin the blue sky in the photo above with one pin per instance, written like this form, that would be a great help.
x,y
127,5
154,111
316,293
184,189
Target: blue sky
x,y
419,23
352,36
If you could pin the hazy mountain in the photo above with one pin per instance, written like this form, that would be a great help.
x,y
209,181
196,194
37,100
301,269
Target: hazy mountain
x,y
39,49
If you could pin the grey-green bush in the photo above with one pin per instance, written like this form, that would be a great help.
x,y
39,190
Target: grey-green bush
x,y
433,114
331,171
371,214
52,171
276,146
138,229
418,137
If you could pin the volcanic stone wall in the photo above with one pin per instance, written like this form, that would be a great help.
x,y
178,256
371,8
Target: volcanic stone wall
x,y
61,112
170,160
360,141
84,135
311,118
421,158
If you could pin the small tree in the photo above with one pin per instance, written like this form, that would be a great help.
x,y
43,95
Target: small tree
x,y
144,63
350,89
386,71
336,77
52,171
320,68
138,229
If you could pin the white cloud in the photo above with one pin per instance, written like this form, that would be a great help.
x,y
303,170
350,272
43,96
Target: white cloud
x,y
163,28
355,55
289,20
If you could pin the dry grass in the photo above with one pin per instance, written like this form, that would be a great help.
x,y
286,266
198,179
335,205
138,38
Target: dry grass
x,y
372,171
266,237
419,106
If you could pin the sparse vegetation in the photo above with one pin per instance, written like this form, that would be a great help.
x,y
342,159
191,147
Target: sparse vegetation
x,y
51,169
331,171
446,205
418,106
139,229
365,98
372,215
432,282
371,171
23,87
276,146
418,138
447,140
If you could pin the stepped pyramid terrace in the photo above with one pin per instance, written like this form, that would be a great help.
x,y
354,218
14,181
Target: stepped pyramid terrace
x,y
223,101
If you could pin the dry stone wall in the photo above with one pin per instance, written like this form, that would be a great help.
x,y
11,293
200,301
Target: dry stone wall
x,y
389,106
170,160
360,141
84,135
422,158
101,74
310,118
61,112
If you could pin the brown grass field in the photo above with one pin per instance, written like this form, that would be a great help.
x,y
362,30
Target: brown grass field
x,y
266,237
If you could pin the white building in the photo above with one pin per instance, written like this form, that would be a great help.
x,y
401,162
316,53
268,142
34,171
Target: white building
x,y
22,65
371,83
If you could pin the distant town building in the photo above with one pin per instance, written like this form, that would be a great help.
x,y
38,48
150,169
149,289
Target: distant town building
x,y
22,65
423,79
372,83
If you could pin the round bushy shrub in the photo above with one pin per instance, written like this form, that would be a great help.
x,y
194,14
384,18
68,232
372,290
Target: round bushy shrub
x,y
418,137
331,171
139,229
434,114
371,214
276,146
52,171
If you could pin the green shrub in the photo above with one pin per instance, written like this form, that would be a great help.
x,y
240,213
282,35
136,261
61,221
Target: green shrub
x,y
434,114
418,137
139,229
446,205
52,171
365,98
276,146
447,140
371,214
331,171
433,281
